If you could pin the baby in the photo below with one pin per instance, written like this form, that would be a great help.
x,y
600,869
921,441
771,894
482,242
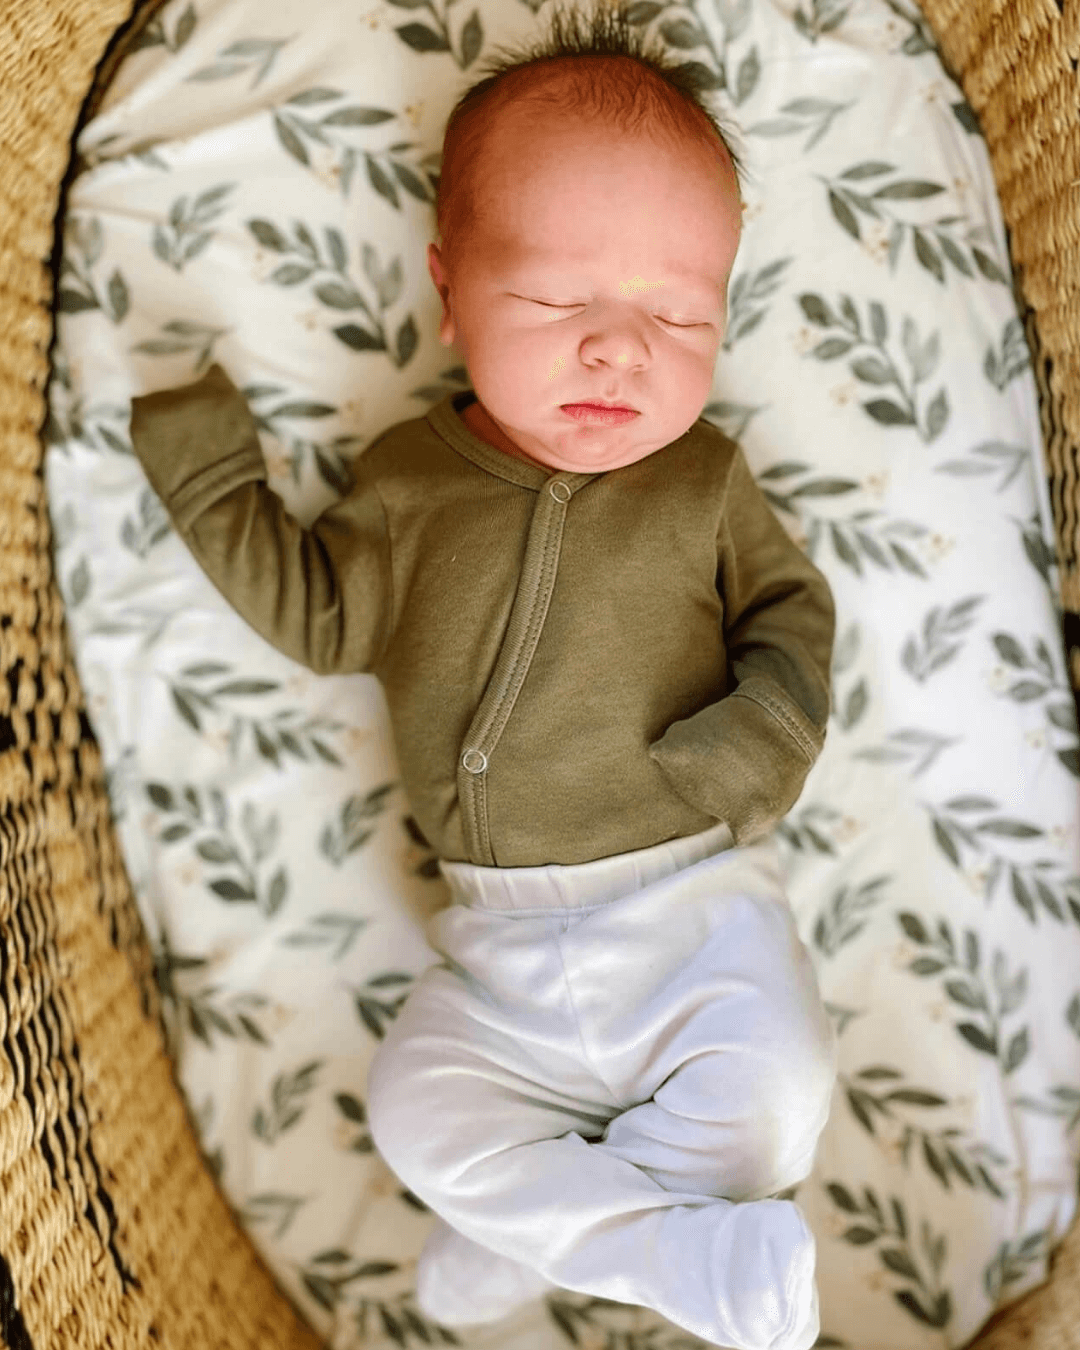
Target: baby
x,y
607,671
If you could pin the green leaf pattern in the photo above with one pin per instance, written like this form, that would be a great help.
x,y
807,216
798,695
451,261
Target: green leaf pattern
x,y
270,202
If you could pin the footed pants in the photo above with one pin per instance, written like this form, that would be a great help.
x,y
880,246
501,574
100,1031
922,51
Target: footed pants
x,y
609,1064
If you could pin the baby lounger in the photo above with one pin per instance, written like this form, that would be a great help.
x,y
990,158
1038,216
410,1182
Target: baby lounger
x,y
211,891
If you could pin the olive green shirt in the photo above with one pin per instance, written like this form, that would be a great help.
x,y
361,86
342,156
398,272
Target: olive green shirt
x,y
575,664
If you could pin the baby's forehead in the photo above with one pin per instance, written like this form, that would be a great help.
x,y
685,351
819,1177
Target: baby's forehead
x,y
518,125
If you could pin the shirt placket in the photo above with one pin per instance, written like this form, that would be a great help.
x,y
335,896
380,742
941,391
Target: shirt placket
x,y
537,581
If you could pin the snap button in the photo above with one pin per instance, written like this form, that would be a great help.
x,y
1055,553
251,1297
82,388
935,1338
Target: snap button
x,y
475,755
553,488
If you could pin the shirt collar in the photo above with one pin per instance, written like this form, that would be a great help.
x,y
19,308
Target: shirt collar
x,y
444,419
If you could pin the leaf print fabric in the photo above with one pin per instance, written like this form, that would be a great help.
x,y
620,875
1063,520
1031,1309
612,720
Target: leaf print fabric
x,y
258,189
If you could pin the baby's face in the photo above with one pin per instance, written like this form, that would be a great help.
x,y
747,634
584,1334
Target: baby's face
x,y
598,271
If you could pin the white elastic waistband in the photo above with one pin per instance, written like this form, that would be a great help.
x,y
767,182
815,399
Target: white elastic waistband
x,y
569,885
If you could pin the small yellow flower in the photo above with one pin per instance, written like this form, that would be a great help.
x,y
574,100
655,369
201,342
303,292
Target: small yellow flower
x,y
383,1184
221,952
875,483
836,1222
875,240
842,394
940,546
188,873
326,167
892,1142
357,740
804,339
998,680
278,1015
217,740
343,1134
264,263
888,38
902,954
976,878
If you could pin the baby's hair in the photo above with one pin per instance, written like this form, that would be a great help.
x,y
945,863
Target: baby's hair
x,y
651,89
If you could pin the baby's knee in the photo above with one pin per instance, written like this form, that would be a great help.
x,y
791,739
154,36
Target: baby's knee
x,y
803,1027
387,1102
798,1099
402,1115
421,1103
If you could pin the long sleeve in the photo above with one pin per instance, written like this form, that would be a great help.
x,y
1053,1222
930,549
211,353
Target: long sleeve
x,y
744,759
323,595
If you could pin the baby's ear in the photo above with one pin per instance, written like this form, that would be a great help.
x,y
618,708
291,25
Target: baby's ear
x,y
435,267
438,276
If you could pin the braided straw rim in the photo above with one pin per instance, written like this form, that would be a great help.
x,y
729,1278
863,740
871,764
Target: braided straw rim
x,y
112,1229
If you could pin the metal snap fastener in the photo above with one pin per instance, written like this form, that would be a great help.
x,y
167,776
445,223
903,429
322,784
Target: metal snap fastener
x,y
475,755
553,489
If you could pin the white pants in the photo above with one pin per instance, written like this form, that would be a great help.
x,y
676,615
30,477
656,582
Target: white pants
x,y
608,1059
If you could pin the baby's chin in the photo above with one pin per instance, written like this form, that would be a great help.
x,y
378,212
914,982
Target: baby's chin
x,y
597,454
569,446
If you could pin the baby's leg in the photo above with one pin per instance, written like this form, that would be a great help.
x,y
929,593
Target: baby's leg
x,y
461,1283
747,1082
739,1117
498,1156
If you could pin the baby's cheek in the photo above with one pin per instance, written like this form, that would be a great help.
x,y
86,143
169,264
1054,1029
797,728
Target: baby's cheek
x,y
557,367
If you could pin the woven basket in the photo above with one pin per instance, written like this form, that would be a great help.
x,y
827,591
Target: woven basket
x,y
112,1230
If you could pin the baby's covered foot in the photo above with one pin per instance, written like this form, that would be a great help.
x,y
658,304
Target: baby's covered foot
x,y
459,1282
767,1284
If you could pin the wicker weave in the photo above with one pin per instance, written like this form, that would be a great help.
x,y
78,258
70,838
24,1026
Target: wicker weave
x,y
112,1230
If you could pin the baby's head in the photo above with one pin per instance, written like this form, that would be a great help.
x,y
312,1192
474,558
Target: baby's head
x,y
590,212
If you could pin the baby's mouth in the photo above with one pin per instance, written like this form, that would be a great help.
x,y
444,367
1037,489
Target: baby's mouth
x,y
597,414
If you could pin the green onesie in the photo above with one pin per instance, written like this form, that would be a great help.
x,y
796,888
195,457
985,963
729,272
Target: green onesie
x,y
575,664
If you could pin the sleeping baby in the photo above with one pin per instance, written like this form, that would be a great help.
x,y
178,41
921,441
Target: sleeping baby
x,y
606,667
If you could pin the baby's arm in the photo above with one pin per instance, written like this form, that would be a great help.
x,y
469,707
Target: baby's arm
x,y
322,595
745,758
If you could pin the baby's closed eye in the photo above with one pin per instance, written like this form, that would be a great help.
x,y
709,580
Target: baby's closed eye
x,y
548,304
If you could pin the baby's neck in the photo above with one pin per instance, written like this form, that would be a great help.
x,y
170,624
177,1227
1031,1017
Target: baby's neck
x,y
480,424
